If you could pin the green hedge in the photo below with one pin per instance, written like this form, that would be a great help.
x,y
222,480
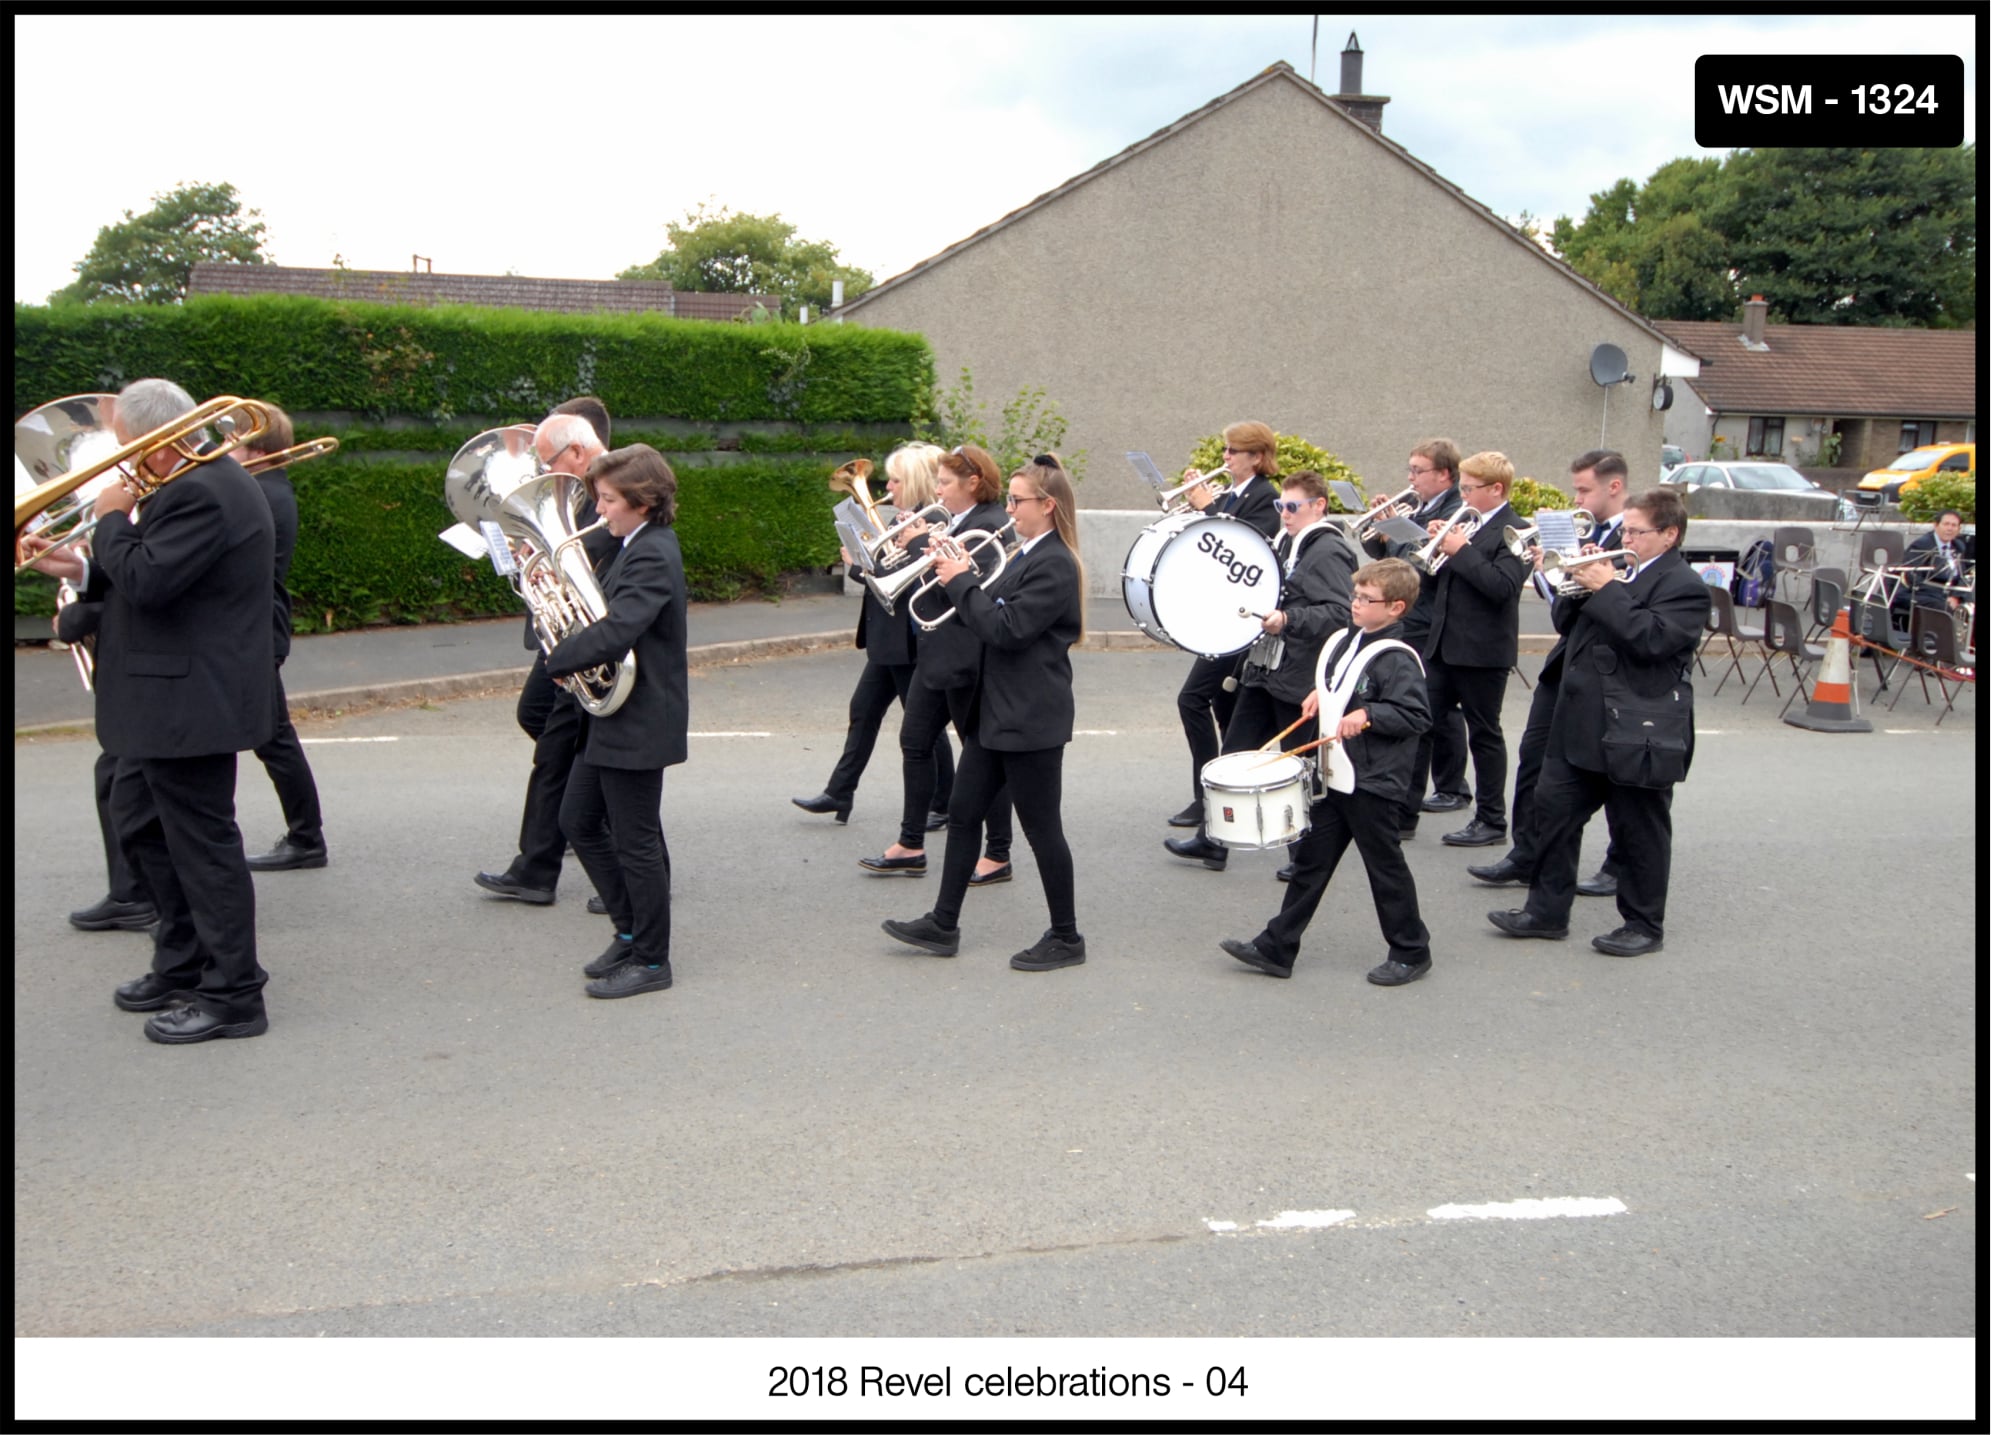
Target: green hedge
x,y
439,363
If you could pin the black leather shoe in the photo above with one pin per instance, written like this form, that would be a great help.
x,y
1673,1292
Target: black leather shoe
x,y
1476,834
1003,873
1396,974
924,932
149,993
1504,873
1444,802
1287,872
108,915
936,821
1212,855
287,856
595,906
184,1024
1189,816
1049,953
824,803
1406,834
1604,884
897,866
613,957
1628,941
504,885
1517,923
1251,955
628,979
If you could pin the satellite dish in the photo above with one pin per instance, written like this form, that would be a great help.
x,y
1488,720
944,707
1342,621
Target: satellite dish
x,y
1663,395
1607,366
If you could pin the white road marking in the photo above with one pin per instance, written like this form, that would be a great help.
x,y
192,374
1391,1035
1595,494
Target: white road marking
x,y
315,741
729,734
1709,732
1304,1220
1531,1209
1097,732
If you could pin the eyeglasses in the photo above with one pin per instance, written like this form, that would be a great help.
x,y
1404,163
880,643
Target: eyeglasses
x,y
1416,472
1495,483
1629,531
550,461
1239,450
1360,598
1293,505
1015,500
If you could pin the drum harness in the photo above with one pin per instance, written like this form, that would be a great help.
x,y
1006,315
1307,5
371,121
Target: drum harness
x,y
1269,649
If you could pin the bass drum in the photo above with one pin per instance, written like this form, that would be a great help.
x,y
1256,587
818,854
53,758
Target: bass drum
x,y
1188,574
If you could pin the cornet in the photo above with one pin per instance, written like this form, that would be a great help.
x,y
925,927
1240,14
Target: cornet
x,y
1427,558
1393,506
1561,564
1172,501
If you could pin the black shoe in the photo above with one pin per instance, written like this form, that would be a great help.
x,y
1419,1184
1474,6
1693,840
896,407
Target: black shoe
x,y
1476,834
1003,873
924,932
897,866
1628,941
613,957
1189,816
1049,953
595,906
824,803
504,885
1212,855
1444,802
110,914
628,979
184,1024
149,993
1287,872
1396,974
936,821
1406,834
1604,884
1517,923
1251,955
286,856
1504,873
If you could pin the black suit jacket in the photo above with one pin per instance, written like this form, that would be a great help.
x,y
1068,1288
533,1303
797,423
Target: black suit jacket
x,y
1644,631
277,486
1025,624
1417,621
949,657
1476,620
1317,599
1552,666
184,647
645,594
1925,550
1257,506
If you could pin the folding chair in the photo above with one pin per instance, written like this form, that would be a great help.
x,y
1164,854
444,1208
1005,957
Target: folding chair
x,y
1878,548
1873,622
1934,639
1785,633
1829,596
1793,559
1737,633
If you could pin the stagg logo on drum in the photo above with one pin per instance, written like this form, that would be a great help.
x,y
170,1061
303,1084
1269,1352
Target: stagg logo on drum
x,y
1217,547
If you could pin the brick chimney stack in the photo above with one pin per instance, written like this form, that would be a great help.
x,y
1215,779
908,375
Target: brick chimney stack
x,y
1753,322
1366,108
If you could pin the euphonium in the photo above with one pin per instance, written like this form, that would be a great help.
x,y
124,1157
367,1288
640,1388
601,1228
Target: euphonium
x,y
1428,558
497,478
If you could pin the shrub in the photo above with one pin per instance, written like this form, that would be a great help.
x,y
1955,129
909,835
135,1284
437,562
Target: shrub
x,y
1030,423
1294,454
1923,499
1529,496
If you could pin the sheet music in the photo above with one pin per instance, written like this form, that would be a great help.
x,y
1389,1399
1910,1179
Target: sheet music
x,y
1401,530
1148,470
466,540
1556,531
1348,494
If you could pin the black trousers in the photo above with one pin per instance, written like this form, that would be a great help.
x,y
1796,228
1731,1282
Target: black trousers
x,y
1035,779
539,861
128,884
1368,821
177,819
1205,711
925,713
612,818
1565,799
1527,772
1478,692
1448,756
538,696
877,687
284,760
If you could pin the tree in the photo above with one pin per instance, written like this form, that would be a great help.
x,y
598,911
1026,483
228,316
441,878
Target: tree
x,y
723,252
147,258
1828,236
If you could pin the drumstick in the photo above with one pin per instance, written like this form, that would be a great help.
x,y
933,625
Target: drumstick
x,y
1282,736
1249,613
1308,747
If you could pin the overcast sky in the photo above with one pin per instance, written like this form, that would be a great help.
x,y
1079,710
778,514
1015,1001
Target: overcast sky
x,y
561,149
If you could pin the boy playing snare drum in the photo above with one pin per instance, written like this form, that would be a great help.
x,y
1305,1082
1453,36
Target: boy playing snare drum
x,y
1375,685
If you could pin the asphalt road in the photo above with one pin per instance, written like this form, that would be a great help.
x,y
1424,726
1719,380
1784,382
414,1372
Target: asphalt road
x,y
818,1133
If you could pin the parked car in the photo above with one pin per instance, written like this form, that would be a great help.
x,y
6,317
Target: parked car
x,y
1672,456
1922,463
1764,476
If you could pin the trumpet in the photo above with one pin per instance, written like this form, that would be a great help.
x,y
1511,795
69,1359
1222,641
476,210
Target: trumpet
x,y
1394,506
1427,558
888,553
1519,540
1171,500
1562,563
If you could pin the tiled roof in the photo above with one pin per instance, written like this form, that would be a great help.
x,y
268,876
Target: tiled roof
x,y
1833,370
494,291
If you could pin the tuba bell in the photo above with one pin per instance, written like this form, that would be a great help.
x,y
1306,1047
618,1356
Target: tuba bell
x,y
497,478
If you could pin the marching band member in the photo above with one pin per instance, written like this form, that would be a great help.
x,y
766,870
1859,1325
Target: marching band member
x,y
1369,694
1025,625
1318,563
1941,554
183,684
889,640
1250,453
611,804
968,485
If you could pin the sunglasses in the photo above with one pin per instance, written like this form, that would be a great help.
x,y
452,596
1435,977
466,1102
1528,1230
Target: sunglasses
x,y
1293,505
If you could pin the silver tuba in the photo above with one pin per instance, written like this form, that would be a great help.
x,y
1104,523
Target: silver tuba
x,y
497,478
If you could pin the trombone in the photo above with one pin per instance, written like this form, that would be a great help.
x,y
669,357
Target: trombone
x,y
297,453
1427,558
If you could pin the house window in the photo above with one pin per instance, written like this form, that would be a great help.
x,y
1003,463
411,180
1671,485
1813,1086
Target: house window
x,y
1915,435
1767,437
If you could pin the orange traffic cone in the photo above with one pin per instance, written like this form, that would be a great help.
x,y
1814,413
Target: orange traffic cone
x,y
1833,708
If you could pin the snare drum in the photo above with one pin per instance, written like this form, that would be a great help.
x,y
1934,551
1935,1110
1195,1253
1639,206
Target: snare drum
x,y
1255,799
1187,575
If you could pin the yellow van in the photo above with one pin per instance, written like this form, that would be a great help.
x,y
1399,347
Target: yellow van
x,y
1922,463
